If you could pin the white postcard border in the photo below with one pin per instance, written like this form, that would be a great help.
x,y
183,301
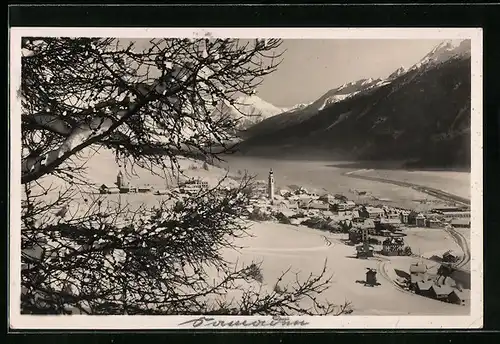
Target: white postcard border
x,y
474,320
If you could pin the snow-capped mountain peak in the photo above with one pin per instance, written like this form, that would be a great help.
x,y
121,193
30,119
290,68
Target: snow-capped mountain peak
x,y
444,51
249,109
398,72
440,53
254,105
297,107
348,90
367,81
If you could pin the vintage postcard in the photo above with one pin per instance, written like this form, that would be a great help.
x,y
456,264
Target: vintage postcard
x,y
245,178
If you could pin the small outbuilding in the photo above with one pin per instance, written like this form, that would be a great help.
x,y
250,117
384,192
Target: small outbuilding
x,y
459,297
371,277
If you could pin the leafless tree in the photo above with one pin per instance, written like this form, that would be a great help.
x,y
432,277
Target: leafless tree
x,y
150,105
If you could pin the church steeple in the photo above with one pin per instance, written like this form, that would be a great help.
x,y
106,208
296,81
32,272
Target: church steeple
x,y
119,179
271,186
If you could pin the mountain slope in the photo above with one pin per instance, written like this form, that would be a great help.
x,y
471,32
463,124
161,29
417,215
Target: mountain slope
x,y
421,115
303,112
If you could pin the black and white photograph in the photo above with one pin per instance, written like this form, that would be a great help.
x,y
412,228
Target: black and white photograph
x,y
234,178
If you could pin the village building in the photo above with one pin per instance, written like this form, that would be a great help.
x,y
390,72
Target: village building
x,y
412,218
327,198
334,226
132,189
442,210
260,190
355,235
341,197
392,246
350,205
440,292
287,213
144,189
282,205
420,220
318,206
278,198
423,288
451,215
104,189
459,297
395,222
371,212
364,251
162,192
328,214
385,233
368,224
194,187
341,207
304,203
345,206
418,273
460,223
357,219
124,189
285,193
383,226
434,223
113,190
301,191
404,216
450,257
392,215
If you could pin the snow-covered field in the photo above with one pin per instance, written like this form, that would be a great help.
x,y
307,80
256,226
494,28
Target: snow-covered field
x,y
427,242
280,247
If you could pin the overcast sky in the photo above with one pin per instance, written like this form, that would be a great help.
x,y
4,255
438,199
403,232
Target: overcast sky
x,y
312,67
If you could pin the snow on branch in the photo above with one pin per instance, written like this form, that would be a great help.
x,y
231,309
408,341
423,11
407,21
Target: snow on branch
x,y
89,91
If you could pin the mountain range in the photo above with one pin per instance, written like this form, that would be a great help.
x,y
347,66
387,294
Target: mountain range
x,y
419,115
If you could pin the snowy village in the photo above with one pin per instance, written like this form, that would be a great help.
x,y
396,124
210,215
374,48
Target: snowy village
x,y
374,232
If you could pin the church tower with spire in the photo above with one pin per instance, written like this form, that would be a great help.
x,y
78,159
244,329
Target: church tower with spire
x,y
119,179
270,186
